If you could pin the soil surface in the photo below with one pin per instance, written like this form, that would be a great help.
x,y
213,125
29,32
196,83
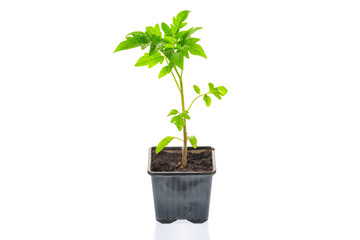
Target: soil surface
x,y
170,159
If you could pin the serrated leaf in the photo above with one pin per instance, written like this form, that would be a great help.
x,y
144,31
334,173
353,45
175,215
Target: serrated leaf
x,y
197,89
178,21
166,29
173,112
163,143
193,141
132,42
207,100
223,90
196,49
150,60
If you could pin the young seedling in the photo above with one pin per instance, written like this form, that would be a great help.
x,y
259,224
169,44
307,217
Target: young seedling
x,y
172,45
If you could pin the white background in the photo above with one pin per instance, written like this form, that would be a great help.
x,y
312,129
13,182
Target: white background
x,y
76,120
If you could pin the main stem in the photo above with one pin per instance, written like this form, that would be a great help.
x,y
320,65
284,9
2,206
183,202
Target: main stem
x,y
184,152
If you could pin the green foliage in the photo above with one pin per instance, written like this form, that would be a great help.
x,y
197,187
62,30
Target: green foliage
x,y
173,112
171,42
137,39
193,141
149,60
197,89
207,100
179,118
163,143
223,90
196,49
178,21
164,71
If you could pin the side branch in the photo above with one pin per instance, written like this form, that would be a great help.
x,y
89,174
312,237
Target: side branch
x,y
195,99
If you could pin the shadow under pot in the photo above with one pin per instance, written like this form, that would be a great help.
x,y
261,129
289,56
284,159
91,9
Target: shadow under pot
x,y
182,193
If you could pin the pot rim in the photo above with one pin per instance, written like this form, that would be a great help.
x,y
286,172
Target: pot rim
x,y
183,173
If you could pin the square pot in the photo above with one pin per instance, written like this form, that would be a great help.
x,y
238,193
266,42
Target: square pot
x,y
182,195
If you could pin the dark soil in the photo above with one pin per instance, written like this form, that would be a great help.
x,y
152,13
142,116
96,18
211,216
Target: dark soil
x,y
170,160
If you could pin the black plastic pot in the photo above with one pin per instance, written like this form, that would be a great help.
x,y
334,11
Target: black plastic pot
x,y
182,195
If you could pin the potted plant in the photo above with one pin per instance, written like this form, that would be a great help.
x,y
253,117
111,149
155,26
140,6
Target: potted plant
x,y
181,176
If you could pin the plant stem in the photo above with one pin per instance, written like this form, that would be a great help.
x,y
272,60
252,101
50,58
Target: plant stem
x,y
195,99
179,139
173,74
184,152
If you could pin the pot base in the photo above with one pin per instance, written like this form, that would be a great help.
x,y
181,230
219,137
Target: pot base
x,y
171,220
182,195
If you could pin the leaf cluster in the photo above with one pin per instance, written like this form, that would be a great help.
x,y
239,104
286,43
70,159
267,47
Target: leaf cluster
x,y
218,92
179,118
170,42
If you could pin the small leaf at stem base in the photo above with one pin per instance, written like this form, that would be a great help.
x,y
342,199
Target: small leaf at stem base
x,y
163,143
193,141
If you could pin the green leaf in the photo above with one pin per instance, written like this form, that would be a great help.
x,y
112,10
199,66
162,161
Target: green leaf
x,y
178,59
217,94
169,46
197,89
164,71
169,39
166,29
173,112
163,143
211,87
193,30
193,141
185,114
181,17
178,21
183,35
138,39
183,25
156,47
180,123
196,49
174,118
191,41
223,90
185,53
207,100
154,30
157,30
150,60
